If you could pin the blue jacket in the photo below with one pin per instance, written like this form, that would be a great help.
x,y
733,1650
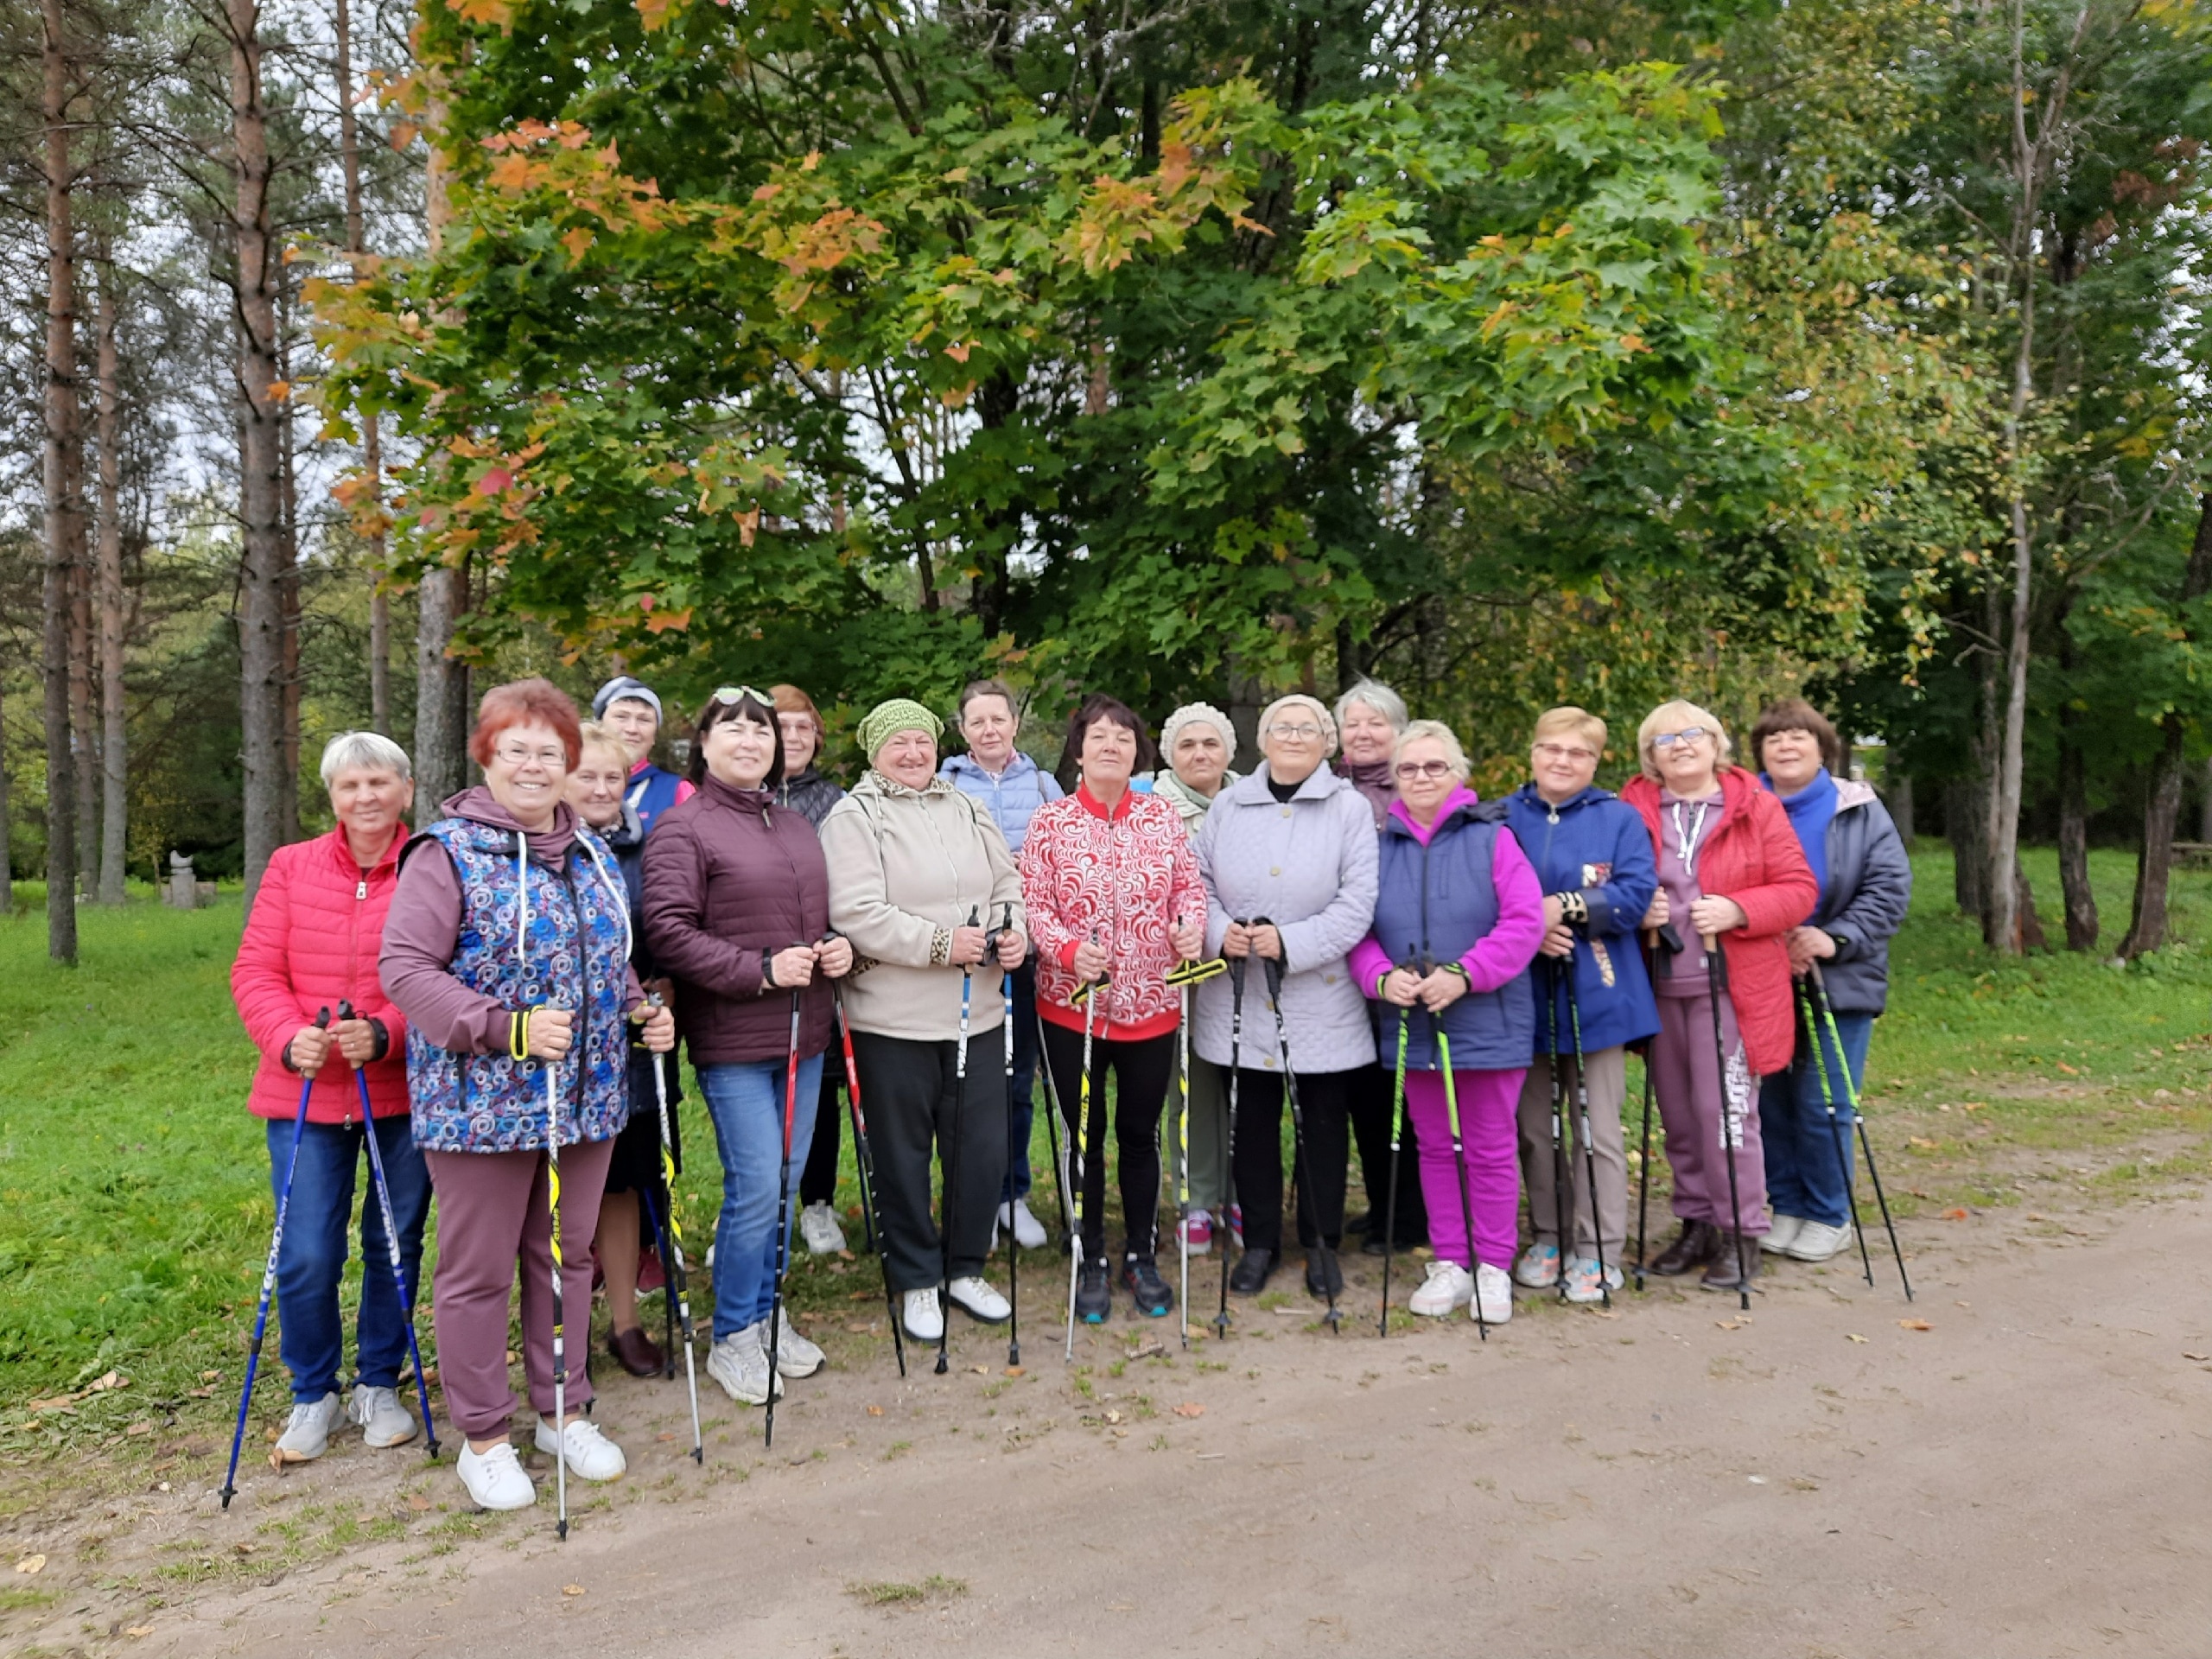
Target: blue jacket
x,y
1596,845
1863,905
1011,797
650,791
1442,898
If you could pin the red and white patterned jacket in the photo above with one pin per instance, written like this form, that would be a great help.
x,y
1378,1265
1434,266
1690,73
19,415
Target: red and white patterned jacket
x,y
1129,876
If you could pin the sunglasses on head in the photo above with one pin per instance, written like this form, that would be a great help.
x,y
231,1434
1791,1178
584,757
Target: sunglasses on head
x,y
739,693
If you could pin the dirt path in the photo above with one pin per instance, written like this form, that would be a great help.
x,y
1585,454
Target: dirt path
x,y
2029,1477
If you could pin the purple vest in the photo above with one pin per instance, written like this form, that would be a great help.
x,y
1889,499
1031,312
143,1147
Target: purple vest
x,y
576,959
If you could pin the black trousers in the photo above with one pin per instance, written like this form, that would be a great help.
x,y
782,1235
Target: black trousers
x,y
918,1111
1257,1158
1142,1070
818,1182
1373,1095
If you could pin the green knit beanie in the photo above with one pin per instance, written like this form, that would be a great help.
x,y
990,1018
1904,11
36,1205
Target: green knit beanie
x,y
889,718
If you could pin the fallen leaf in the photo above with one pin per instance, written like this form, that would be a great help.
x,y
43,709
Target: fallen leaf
x,y
140,1629
112,1380
1150,1349
143,1426
1914,1325
1736,1324
664,1438
1955,1215
31,1563
875,1411
417,1503
844,1255
1189,1408
1017,1370
860,1295
1112,1415
209,1376
1852,1335
981,1370
1919,1141
2185,1355
572,1589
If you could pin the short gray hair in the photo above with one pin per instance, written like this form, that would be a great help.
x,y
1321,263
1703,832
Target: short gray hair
x,y
1379,697
1436,732
368,749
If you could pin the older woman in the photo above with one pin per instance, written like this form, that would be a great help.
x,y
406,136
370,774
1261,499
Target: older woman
x,y
507,949
737,908
1112,901
1198,742
1730,871
1865,884
1288,857
1593,859
630,708
1458,918
311,942
1369,717
919,880
1010,787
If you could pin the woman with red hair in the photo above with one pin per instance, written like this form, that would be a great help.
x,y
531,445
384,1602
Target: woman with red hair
x,y
507,949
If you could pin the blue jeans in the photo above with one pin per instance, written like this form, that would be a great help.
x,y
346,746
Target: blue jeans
x,y
1025,1081
747,1102
1805,1175
310,1333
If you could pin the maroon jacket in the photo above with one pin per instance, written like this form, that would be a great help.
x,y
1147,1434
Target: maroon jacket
x,y
729,874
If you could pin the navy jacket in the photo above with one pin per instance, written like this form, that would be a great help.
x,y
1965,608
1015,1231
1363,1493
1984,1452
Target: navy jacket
x,y
1596,845
1869,887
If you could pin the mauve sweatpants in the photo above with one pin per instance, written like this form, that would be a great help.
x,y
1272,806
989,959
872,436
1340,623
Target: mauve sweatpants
x,y
1487,1104
492,1210
1688,1082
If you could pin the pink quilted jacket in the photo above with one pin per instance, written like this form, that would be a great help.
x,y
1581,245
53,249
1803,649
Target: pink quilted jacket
x,y
1129,876
311,941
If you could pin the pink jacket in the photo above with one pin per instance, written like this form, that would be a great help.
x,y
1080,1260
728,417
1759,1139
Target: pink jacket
x,y
1129,876
311,942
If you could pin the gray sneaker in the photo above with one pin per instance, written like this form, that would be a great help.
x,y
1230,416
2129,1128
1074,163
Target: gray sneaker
x,y
741,1365
383,1420
794,1355
307,1436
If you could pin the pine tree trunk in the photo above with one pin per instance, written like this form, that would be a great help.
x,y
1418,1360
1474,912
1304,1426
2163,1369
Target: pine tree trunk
x,y
84,726
2204,803
2080,902
288,797
260,620
63,530
2147,923
349,156
1961,828
438,733
114,738
7,852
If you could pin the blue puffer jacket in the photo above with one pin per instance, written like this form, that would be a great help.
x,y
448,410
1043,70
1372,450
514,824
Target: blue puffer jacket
x,y
1596,845
1012,797
1869,887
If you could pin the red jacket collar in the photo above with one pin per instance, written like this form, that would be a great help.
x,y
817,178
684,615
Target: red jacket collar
x,y
1091,804
342,852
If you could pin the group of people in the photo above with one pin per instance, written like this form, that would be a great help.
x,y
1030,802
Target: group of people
x,y
1349,931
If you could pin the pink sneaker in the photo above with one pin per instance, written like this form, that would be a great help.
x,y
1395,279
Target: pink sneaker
x,y
1198,1232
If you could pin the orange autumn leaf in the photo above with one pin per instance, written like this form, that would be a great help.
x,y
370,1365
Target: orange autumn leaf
x,y
664,621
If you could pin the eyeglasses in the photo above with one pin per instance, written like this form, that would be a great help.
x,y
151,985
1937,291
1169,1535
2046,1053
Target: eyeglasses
x,y
1687,735
514,754
739,693
1561,752
1409,770
1297,734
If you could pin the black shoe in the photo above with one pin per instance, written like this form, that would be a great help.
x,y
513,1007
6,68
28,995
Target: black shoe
x,y
1324,1278
1376,1244
1362,1223
1699,1243
1093,1301
1140,1274
1253,1270
1735,1265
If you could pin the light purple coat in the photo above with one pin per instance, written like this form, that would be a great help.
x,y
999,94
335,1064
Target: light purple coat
x,y
1307,866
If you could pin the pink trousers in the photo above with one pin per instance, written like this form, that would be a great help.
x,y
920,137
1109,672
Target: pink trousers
x,y
1488,1103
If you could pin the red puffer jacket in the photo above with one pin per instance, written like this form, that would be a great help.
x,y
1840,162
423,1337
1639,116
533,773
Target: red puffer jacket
x,y
311,942
1754,857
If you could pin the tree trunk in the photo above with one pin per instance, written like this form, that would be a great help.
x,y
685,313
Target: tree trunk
x,y
1898,797
1962,828
63,530
2204,803
261,619
114,740
2080,903
84,728
2146,923
7,852
349,156
437,738
287,589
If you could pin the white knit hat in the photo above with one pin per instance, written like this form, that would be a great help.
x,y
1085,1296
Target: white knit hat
x,y
1197,714
1322,718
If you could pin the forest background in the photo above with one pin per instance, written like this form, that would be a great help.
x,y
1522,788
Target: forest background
x,y
355,355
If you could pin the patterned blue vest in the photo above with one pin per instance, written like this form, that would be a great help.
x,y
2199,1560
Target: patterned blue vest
x,y
491,1103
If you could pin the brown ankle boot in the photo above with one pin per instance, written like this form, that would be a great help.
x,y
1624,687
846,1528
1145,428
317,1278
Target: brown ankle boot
x,y
1725,1274
1696,1245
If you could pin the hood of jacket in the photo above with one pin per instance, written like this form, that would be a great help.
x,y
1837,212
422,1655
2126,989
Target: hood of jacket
x,y
477,804
964,764
1590,795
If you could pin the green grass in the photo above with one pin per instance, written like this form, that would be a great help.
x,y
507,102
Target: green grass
x,y
135,1205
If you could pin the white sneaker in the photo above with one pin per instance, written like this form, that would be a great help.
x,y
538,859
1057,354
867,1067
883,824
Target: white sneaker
x,y
386,1422
979,1301
794,1355
1782,1234
1028,1232
1582,1280
307,1436
1494,1290
1447,1286
591,1455
819,1231
495,1479
739,1364
924,1319
1538,1267
1816,1240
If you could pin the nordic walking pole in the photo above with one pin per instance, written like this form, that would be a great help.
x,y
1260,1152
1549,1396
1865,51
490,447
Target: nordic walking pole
x,y
1731,1125
952,1162
1866,1145
1012,1244
667,1294
1459,1158
1562,1182
1644,1173
560,1333
1079,1144
864,1165
1397,1133
268,1274
391,1241
1235,1042
1582,1134
1835,1128
1053,1136
1331,1276
1183,976
782,1217
679,1281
